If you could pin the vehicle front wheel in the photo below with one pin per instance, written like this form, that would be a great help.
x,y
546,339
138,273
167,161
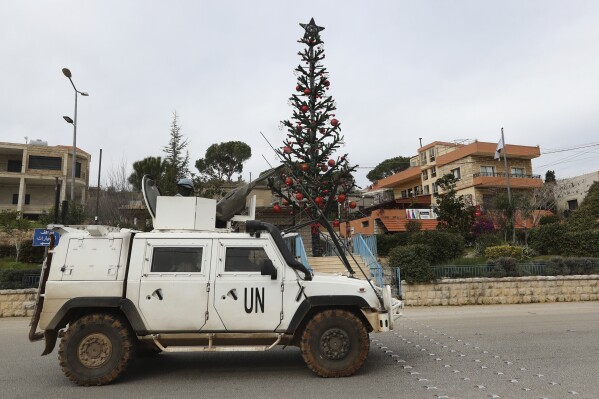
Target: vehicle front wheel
x,y
335,343
96,349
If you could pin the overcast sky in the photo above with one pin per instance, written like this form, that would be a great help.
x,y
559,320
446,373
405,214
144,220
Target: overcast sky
x,y
399,70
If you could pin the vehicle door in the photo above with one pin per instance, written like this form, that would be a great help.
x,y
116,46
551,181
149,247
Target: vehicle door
x,y
244,299
174,285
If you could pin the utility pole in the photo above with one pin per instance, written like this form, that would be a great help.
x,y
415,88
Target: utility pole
x,y
509,192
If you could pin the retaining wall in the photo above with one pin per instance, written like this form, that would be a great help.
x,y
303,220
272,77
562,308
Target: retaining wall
x,y
17,303
486,291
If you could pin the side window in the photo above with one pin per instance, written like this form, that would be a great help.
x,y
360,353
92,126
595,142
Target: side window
x,y
245,259
177,260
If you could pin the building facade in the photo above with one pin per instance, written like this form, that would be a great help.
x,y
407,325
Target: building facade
x,y
480,178
29,172
569,193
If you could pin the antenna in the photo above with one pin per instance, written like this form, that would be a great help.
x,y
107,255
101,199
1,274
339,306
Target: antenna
x,y
26,139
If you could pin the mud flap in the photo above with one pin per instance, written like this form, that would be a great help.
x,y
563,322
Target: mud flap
x,y
50,336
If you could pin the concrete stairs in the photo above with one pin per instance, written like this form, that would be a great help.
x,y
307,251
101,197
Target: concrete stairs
x,y
334,265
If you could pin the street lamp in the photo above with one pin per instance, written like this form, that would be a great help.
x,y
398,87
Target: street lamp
x,y
68,74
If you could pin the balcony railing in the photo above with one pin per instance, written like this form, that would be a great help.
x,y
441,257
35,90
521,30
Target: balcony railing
x,y
514,175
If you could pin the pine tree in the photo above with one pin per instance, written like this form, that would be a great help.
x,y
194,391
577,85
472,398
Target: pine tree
x,y
177,155
313,179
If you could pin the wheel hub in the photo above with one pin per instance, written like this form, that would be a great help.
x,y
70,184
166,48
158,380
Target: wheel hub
x,y
94,350
334,344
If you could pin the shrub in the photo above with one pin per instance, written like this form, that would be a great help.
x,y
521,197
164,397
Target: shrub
x,y
580,243
413,261
483,241
386,242
12,279
413,226
482,226
504,267
444,245
558,266
548,219
29,253
548,239
505,251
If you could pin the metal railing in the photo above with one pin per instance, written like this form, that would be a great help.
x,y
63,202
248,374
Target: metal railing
x,y
296,246
362,248
514,175
468,271
31,280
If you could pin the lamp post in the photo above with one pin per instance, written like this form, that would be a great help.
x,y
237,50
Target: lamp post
x,y
68,74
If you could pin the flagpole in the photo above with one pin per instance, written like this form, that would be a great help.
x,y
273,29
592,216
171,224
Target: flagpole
x,y
509,192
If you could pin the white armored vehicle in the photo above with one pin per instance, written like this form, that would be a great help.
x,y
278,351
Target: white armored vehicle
x,y
111,294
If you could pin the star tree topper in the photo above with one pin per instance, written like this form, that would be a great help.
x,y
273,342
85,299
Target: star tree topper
x,y
311,29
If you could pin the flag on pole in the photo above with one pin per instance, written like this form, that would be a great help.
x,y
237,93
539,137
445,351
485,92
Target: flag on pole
x,y
500,146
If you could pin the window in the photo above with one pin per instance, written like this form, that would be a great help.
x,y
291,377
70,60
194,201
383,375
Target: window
x,y
14,165
431,154
424,174
487,171
435,188
518,172
434,171
78,170
410,192
15,199
417,190
404,194
49,163
572,204
423,158
248,259
426,190
365,223
177,260
456,173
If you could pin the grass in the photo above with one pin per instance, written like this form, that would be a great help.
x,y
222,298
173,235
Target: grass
x,y
9,263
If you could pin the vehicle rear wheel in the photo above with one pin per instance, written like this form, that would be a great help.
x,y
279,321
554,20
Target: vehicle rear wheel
x,y
335,343
96,349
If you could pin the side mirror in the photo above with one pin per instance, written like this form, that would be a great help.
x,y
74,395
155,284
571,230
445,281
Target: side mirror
x,y
268,269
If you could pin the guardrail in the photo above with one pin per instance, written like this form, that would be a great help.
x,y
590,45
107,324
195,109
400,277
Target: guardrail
x,y
362,248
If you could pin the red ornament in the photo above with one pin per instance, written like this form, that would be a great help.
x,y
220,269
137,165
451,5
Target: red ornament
x,y
285,202
289,181
327,83
305,167
331,162
276,208
334,122
287,149
322,130
324,168
319,200
307,91
341,198
335,223
305,108
353,204
325,192
298,88
299,196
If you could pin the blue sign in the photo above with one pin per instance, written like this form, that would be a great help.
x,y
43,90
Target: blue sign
x,y
41,237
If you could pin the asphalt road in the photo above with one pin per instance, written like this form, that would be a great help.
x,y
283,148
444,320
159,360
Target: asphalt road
x,y
514,351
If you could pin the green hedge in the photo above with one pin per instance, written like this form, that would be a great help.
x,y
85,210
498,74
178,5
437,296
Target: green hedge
x,y
505,251
556,239
558,266
413,261
386,242
548,239
504,267
444,246
29,253
12,279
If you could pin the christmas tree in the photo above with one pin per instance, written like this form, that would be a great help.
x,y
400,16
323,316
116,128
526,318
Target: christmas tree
x,y
313,179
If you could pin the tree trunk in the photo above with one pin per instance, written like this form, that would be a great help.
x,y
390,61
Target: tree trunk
x,y
316,250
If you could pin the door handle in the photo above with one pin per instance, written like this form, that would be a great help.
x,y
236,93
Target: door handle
x,y
158,293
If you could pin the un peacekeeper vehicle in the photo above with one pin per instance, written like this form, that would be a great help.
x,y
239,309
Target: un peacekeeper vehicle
x,y
111,294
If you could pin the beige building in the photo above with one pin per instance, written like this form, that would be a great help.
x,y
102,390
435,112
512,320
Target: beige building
x,y
479,175
28,175
569,193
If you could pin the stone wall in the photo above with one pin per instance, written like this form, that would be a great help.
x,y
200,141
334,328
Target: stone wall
x,y
507,290
17,303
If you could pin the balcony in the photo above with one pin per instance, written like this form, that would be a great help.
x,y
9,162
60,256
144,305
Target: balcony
x,y
517,180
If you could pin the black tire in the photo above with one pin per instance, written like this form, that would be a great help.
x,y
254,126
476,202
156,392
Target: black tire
x,y
96,349
335,343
